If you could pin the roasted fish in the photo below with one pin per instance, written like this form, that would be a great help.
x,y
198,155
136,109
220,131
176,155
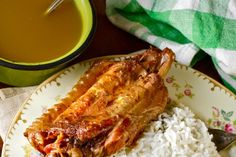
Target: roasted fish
x,y
107,109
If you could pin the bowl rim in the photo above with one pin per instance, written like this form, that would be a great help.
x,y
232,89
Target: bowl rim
x,y
70,57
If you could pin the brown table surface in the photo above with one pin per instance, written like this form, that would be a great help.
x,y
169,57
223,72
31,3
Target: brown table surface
x,y
108,39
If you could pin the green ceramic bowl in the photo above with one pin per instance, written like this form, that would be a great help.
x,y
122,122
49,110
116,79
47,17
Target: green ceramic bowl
x,y
26,74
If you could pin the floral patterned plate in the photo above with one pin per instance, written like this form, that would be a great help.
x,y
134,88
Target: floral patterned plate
x,y
209,100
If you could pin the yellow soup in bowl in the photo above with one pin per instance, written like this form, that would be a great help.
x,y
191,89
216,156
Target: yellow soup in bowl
x,y
28,35
33,46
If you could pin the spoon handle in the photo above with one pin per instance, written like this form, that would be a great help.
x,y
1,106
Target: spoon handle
x,y
53,6
221,138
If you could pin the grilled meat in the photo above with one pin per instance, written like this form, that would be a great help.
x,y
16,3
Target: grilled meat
x,y
107,109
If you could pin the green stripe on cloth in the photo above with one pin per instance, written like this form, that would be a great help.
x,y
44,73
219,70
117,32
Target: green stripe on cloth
x,y
119,4
159,29
205,30
228,32
133,6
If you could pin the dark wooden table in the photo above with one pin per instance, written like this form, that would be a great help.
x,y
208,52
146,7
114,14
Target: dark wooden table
x,y
108,39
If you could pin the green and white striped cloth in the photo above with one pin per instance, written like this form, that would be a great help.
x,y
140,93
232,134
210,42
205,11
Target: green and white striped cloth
x,y
190,28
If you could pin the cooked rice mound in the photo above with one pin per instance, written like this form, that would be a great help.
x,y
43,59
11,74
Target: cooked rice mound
x,y
176,133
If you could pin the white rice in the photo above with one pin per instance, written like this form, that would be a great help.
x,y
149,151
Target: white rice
x,y
176,133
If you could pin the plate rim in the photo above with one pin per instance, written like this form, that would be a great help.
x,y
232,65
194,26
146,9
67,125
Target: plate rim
x,y
54,76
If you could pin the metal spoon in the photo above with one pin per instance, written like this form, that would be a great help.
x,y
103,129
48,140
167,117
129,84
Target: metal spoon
x,y
222,139
53,6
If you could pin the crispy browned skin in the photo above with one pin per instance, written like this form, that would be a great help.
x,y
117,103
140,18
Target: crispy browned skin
x,y
85,82
107,109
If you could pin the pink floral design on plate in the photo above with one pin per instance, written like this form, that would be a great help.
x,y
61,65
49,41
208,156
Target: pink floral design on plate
x,y
222,119
184,90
